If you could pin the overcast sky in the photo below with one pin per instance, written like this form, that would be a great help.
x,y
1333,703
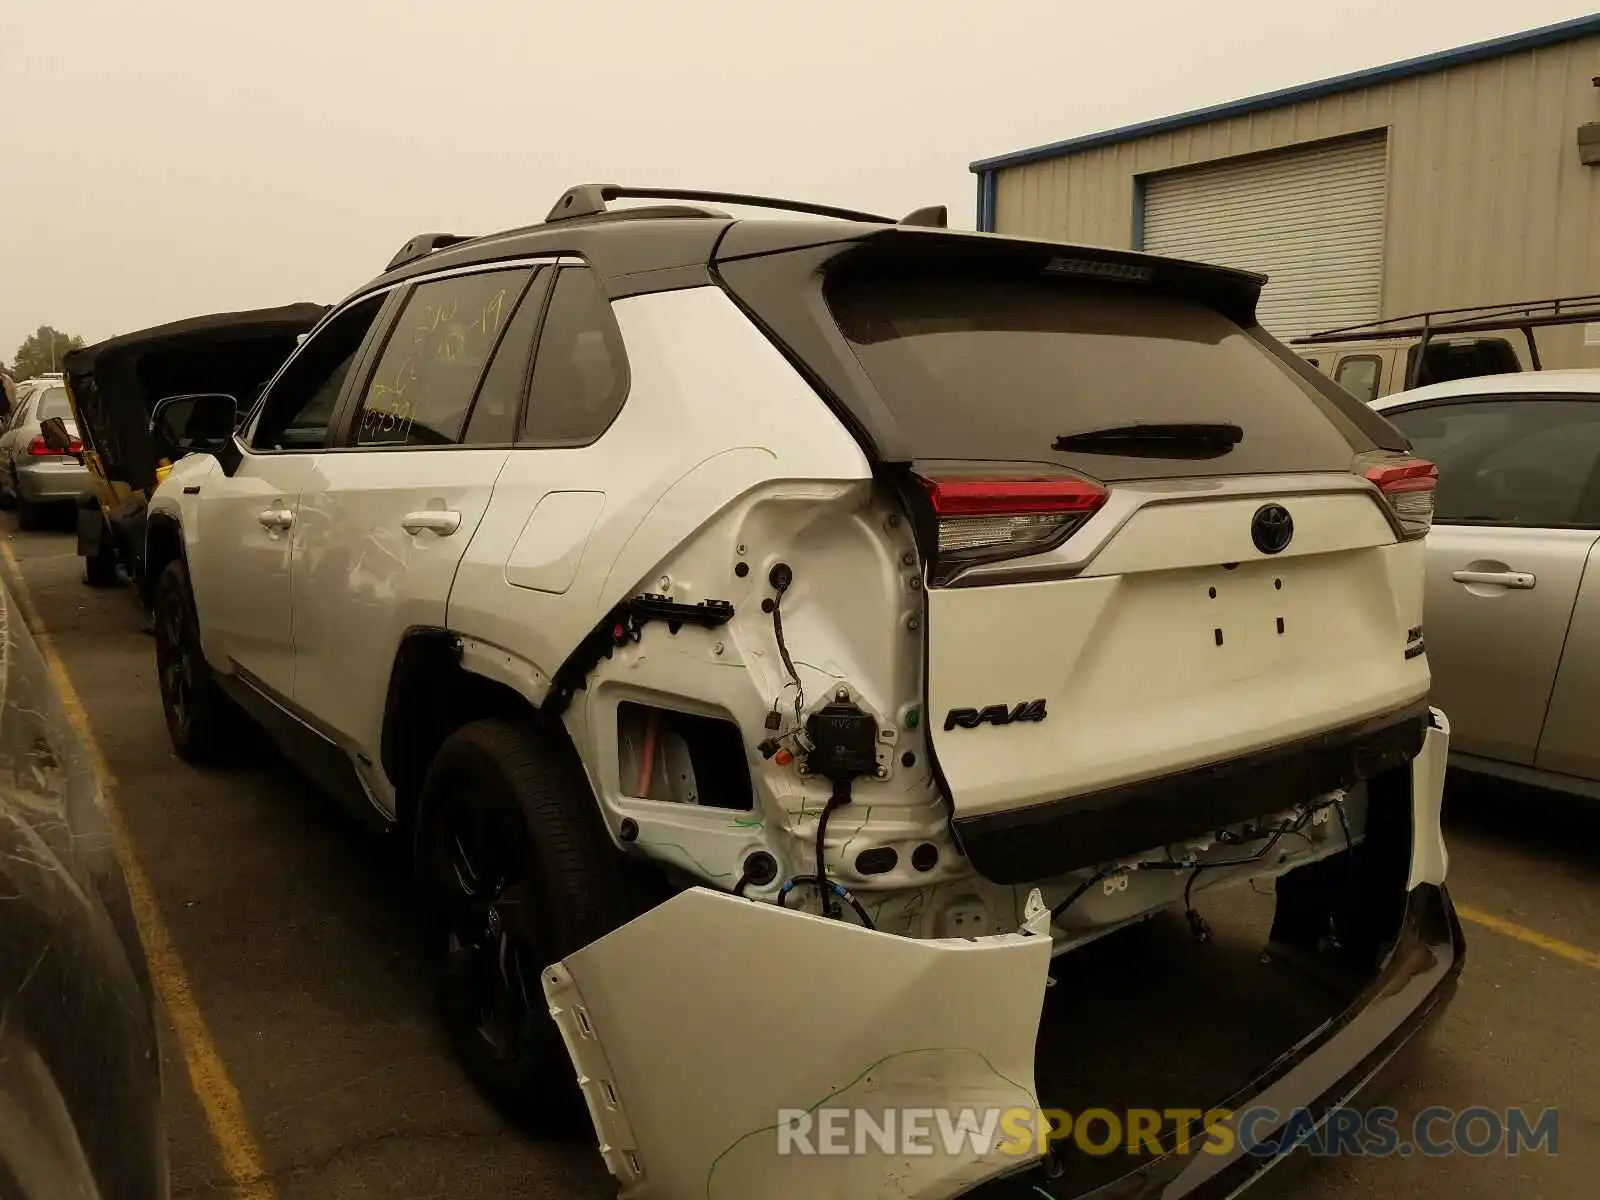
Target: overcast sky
x,y
163,158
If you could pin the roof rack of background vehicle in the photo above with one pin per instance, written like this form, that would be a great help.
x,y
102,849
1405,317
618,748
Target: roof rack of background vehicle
x,y
1526,315
588,202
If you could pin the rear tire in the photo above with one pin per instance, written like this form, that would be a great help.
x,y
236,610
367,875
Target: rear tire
x,y
203,723
514,871
29,514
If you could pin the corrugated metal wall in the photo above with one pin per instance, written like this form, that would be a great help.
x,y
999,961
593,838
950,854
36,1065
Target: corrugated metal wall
x,y
1487,201
1311,220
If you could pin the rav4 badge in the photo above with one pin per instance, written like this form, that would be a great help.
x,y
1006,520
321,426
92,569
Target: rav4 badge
x,y
995,714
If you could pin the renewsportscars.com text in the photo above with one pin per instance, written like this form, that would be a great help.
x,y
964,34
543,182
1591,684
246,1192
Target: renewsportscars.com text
x,y
1263,1132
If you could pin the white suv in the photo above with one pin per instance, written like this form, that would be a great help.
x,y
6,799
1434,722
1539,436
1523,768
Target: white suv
x,y
787,635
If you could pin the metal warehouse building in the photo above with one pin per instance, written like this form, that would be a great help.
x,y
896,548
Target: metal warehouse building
x,y
1466,177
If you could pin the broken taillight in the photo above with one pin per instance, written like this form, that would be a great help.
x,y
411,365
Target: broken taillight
x,y
980,520
1407,484
39,448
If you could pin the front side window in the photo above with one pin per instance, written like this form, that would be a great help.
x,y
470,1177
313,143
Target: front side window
x,y
580,370
420,392
1511,462
1359,375
299,404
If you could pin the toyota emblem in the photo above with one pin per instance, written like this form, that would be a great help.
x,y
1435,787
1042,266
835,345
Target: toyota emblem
x,y
1272,528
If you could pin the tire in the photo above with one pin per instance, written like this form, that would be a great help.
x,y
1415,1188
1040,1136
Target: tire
x,y
514,871
29,515
202,722
100,568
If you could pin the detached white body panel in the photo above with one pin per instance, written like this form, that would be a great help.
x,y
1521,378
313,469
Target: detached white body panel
x,y
696,1025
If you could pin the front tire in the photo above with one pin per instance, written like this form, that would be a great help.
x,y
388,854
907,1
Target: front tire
x,y
514,872
201,721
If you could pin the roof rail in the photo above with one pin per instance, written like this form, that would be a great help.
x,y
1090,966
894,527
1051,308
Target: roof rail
x,y
1523,315
423,245
1482,318
589,199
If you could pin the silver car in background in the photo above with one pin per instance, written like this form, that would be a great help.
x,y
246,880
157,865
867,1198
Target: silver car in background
x,y
32,473
1512,614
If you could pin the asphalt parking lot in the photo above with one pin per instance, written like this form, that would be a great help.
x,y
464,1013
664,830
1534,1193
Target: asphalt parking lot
x,y
303,1058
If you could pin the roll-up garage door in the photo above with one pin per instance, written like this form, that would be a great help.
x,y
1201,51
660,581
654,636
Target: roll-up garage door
x,y
1311,220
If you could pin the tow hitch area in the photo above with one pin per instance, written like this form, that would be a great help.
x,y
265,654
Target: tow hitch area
x,y
732,1049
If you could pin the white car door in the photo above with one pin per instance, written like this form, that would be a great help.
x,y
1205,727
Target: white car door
x,y
387,516
240,536
1514,522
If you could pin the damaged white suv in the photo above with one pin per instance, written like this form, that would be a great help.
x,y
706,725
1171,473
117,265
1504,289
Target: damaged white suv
x,y
782,637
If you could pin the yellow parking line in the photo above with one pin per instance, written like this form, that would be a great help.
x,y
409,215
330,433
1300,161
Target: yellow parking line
x,y
241,1154
1532,937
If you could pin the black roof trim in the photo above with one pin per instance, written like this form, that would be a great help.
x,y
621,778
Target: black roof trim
x,y
589,199
267,322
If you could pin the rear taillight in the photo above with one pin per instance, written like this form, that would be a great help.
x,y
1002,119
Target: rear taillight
x,y
1407,485
982,520
38,449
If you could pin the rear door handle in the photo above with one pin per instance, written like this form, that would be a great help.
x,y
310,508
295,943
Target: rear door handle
x,y
1521,580
276,518
444,522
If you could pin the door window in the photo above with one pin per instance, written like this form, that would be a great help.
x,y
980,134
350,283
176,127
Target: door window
x,y
299,404
1515,462
421,390
580,373
1359,374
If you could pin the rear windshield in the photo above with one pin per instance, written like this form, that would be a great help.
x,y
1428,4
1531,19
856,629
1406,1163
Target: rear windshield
x,y
998,369
53,403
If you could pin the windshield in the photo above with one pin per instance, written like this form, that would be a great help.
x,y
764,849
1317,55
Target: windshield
x,y
1000,369
53,403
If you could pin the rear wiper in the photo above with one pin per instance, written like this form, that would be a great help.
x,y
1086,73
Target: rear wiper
x,y
1194,439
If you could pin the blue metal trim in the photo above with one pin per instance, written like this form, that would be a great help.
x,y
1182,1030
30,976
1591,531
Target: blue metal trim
x,y
1532,39
1137,240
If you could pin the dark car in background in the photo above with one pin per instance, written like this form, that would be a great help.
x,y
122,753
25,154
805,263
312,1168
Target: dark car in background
x,y
81,1110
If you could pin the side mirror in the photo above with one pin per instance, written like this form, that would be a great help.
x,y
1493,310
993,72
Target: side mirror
x,y
200,423
54,432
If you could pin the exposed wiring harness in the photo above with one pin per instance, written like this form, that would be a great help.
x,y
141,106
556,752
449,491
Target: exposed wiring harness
x,y
1197,924
831,889
839,798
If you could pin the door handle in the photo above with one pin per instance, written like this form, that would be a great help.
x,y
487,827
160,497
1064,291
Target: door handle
x,y
444,522
1521,580
276,518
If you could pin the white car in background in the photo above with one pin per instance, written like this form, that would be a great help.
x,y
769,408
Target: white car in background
x,y
33,471
779,639
1512,610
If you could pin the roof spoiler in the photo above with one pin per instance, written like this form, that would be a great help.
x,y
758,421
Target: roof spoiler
x,y
590,200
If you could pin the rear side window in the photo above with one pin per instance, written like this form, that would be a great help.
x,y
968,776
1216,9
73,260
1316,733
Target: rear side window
x,y
1358,374
422,388
54,403
998,369
580,372
1521,463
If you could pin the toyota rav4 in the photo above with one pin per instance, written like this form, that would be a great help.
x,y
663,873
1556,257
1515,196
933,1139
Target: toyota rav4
x,y
782,639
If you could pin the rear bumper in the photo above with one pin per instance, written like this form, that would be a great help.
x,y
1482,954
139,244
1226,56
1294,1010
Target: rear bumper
x,y
1045,840
48,480
716,999
1338,1066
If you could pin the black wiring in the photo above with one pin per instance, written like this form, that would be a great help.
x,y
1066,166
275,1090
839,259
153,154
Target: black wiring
x,y
1195,921
780,585
744,882
829,888
839,798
